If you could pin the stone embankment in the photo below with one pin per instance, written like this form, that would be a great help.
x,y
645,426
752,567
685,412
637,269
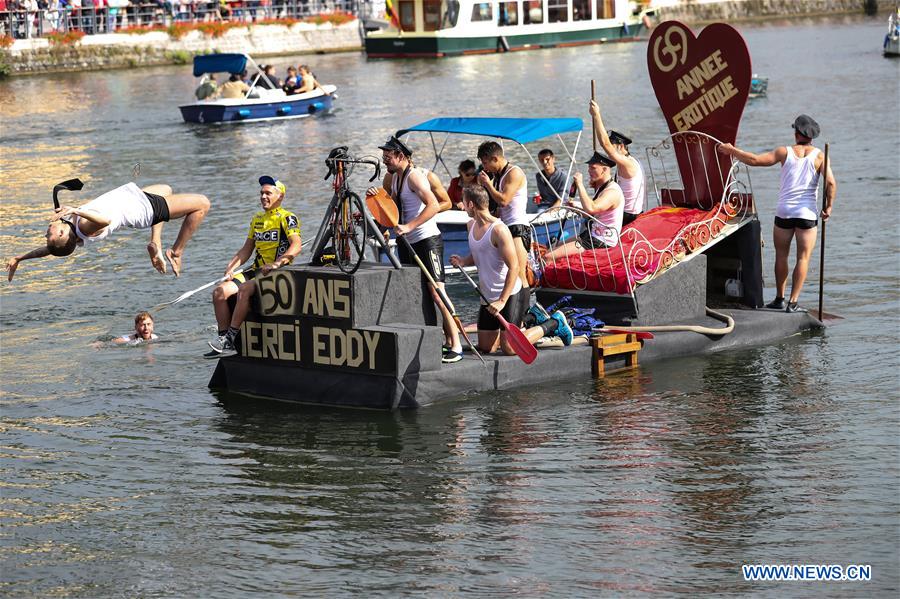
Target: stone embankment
x,y
708,11
118,50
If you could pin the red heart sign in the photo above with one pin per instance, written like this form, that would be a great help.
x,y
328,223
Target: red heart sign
x,y
702,84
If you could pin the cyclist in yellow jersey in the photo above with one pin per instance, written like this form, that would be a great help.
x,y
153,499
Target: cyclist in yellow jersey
x,y
275,237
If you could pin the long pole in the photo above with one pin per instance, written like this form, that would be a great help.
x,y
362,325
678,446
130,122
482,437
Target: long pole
x,y
822,247
593,97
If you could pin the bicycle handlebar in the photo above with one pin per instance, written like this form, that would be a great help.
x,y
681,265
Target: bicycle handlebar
x,y
340,155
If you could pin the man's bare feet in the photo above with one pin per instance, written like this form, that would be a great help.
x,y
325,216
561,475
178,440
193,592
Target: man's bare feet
x,y
156,257
175,261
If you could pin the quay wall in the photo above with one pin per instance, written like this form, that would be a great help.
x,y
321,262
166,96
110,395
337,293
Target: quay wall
x,y
708,11
122,50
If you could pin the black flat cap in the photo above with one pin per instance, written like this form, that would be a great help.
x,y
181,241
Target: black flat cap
x,y
806,126
395,145
599,158
618,138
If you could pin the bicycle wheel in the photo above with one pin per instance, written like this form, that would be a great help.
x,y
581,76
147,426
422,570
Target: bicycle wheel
x,y
350,233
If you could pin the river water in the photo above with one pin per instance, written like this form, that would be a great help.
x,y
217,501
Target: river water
x,y
122,475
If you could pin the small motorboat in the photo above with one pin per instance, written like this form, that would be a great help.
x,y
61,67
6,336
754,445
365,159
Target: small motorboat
x,y
259,104
758,86
892,37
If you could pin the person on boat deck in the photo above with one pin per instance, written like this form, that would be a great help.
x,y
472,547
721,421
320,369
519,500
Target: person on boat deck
x,y
417,204
606,206
493,251
143,331
292,82
629,174
797,212
308,82
234,88
275,236
466,176
125,206
507,186
268,79
207,89
551,182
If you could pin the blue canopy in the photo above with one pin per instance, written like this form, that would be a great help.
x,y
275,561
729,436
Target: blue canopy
x,y
519,130
219,63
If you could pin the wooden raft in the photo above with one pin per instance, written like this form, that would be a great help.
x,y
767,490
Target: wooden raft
x,y
613,345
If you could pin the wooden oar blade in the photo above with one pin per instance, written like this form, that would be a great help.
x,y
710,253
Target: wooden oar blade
x,y
383,208
519,342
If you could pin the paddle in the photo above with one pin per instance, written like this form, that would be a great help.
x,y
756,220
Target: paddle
x,y
384,211
594,98
820,313
517,339
188,294
69,185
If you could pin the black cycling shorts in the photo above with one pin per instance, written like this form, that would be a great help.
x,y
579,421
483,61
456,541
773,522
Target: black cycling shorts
x,y
523,232
430,251
589,242
160,208
628,217
513,312
795,223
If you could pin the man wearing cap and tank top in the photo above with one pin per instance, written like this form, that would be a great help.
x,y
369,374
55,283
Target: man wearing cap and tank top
x,y
507,185
417,204
494,253
629,174
606,206
275,236
798,208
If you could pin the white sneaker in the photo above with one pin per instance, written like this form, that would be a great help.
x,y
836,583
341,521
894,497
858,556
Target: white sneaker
x,y
223,344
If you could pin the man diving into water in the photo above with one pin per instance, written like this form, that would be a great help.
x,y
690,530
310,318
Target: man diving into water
x,y
126,206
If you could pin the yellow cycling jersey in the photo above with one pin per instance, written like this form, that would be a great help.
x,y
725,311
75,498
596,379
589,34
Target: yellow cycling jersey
x,y
269,230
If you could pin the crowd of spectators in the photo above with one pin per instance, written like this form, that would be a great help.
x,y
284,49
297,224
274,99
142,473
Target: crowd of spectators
x,y
35,18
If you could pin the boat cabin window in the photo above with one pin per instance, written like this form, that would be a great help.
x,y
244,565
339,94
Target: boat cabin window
x,y
509,14
581,10
407,15
557,11
606,9
451,14
533,12
431,13
482,12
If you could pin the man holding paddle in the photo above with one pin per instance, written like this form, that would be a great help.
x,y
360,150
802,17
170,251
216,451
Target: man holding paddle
x,y
275,236
417,206
126,206
494,253
797,212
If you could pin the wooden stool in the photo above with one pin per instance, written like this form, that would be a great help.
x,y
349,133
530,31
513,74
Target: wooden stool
x,y
613,345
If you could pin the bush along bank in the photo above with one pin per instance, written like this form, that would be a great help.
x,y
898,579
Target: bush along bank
x,y
176,44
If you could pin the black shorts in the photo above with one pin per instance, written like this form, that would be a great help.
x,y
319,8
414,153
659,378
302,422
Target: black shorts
x,y
523,232
795,223
513,312
628,217
430,251
589,242
160,208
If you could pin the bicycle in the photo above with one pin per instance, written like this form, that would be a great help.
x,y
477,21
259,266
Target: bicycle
x,y
347,222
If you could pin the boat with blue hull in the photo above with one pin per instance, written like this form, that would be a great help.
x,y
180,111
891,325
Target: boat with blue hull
x,y
452,223
258,104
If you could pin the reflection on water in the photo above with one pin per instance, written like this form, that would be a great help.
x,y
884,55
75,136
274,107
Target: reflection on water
x,y
121,470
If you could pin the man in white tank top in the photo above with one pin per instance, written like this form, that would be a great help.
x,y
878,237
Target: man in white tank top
x,y
509,189
417,205
629,174
796,213
606,206
126,206
494,253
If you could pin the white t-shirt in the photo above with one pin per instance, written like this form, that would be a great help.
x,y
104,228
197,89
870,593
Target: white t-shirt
x,y
125,206
133,339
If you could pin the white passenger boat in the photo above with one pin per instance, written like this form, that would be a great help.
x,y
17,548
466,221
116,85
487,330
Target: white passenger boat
x,y
429,28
